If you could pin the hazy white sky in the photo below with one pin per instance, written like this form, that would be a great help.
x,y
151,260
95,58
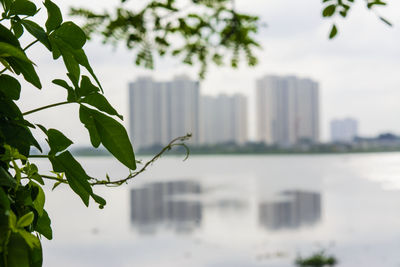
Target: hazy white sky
x,y
358,72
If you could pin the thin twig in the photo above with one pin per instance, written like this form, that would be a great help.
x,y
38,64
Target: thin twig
x,y
179,141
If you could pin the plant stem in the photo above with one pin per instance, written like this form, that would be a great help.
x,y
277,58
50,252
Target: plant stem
x,y
29,45
45,107
54,178
38,156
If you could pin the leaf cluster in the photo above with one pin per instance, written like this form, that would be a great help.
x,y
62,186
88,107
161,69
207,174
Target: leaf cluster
x,y
341,8
196,31
23,218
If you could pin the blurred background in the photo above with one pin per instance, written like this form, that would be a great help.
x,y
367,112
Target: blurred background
x,y
295,155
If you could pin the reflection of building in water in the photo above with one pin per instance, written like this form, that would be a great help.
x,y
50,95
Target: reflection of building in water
x,y
166,203
297,209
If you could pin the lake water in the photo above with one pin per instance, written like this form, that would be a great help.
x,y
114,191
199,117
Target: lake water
x,y
233,211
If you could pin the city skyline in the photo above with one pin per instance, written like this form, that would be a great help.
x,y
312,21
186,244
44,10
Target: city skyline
x,y
295,42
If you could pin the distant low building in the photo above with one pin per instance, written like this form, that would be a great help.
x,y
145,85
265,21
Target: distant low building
x,y
343,130
387,141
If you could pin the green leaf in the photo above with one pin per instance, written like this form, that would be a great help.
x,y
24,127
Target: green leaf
x,y
7,36
70,33
10,87
6,179
8,50
9,109
30,239
76,175
18,136
6,4
86,87
23,7
329,11
82,59
25,220
27,71
18,251
87,119
333,32
113,136
43,226
71,93
40,199
4,203
57,141
37,31
68,57
77,178
100,102
54,17
17,28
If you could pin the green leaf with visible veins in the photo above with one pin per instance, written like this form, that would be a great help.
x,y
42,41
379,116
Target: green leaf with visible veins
x,y
113,136
8,50
37,31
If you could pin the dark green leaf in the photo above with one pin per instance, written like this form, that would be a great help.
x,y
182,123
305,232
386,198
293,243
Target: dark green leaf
x,y
100,102
86,87
9,109
71,93
27,71
39,200
81,57
333,32
6,4
10,87
6,179
17,28
37,31
18,136
113,136
8,50
76,175
54,17
69,60
18,251
43,225
77,178
87,119
57,141
4,204
329,11
70,33
23,7
7,36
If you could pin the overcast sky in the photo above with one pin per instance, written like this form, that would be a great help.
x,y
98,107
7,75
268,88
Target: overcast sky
x,y
358,72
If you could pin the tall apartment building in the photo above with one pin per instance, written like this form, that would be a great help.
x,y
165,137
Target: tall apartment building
x,y
287,110
344,130
161,111
223,119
